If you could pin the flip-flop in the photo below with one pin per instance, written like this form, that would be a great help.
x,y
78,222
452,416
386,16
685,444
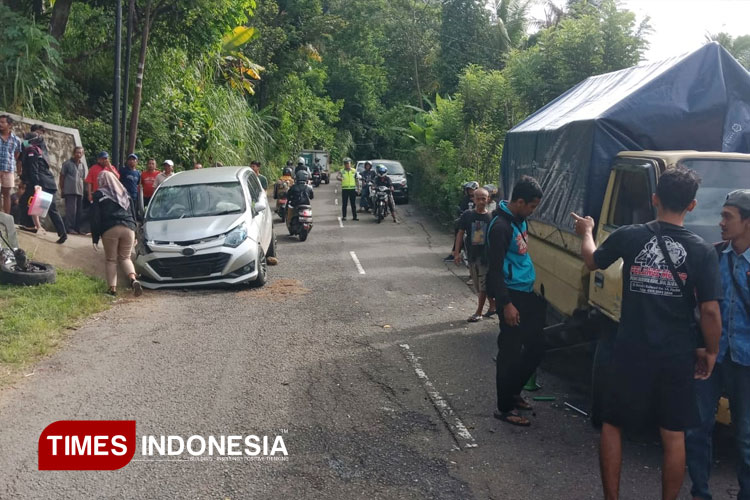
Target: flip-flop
x,y
489,314
474,318
521,404
512,418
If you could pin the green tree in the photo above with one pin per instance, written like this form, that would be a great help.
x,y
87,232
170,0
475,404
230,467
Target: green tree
x,y
739,47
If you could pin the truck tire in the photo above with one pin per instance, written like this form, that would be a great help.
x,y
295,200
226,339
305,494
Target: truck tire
x,y
38,273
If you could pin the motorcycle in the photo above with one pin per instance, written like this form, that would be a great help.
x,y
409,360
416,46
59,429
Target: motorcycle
x,y
316,178
301,222
281,209
382,194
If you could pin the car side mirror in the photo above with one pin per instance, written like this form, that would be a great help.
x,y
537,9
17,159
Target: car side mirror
x,y
260,206
409,174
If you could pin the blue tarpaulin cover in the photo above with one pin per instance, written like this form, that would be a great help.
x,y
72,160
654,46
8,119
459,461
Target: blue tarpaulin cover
x,y
699,101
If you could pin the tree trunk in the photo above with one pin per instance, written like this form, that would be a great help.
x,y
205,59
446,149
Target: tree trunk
x,y
59,21
137,94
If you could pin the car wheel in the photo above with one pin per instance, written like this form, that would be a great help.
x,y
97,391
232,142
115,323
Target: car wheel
x,y
262,277
272,246
37,273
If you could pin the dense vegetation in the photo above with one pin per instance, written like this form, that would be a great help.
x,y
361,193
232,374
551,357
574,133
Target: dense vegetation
x,y
434,83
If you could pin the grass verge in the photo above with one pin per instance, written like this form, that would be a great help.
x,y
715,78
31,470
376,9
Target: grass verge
x,y
33,319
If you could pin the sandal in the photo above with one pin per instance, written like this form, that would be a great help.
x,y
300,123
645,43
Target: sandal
x,y
512,418
521,404
29,229
489,314
474,318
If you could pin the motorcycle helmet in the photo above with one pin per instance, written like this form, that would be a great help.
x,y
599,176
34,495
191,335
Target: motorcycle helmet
x,y
471,185
381,170
301,161
287,171
491,189
302,177
368,164
289,163
347,160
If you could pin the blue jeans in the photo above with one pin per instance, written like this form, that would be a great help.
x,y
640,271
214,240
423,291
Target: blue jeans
x,y
735,380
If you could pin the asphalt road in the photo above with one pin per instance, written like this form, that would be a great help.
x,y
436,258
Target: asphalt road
x,y
377,384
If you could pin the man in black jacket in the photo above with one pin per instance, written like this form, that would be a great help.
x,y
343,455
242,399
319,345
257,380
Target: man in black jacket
x,y
510,280
36,172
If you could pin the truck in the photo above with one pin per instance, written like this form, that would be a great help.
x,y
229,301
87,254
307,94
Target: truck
x,y
599,150
310,155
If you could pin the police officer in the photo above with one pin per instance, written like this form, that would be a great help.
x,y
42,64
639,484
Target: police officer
x,y
349,188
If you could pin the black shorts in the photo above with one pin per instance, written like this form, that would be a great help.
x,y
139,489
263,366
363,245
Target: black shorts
x,y
648,388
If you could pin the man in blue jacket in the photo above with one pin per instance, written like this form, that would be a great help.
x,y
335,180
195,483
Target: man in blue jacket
x,y
732,370
511,281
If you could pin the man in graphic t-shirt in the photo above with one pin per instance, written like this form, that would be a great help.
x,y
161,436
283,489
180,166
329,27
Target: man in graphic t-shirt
x,y
473,223
656,356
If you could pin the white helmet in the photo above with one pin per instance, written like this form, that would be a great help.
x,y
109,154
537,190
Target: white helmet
x,y
301,161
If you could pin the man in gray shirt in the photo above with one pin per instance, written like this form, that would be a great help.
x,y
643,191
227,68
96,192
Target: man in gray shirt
x,y
72,186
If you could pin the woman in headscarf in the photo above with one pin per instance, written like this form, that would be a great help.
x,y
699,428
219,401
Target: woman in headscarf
x,y
113,220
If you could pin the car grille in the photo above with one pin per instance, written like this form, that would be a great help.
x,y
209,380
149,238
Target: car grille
x,y
190,267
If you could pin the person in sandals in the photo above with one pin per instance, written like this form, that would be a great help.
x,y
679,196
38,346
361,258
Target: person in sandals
x,y
473,226
510,281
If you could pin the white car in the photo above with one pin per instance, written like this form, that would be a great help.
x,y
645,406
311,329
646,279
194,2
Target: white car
x,y
206,227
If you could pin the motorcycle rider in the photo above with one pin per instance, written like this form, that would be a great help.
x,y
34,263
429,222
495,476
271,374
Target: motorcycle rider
x,y
367,176
299,194
382,179
302,165
282,185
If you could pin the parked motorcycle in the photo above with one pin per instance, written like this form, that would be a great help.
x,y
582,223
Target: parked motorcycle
x,y
281,209
301,222
382,194
316,178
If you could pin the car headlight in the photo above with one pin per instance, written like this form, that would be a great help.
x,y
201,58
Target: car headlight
x,y
236,236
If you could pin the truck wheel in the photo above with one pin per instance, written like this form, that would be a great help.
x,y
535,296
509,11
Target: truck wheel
x,y
37,273
601,375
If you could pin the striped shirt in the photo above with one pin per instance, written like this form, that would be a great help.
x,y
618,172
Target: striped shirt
x,y
8,151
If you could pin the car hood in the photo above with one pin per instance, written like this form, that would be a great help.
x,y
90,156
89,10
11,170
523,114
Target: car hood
x,y
190,229
396,177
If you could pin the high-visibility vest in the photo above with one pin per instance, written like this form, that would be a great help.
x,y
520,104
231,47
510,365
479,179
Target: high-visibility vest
x,y
349,179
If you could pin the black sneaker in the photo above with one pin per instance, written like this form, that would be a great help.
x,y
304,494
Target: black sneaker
x,y
62,239
343,218
448,258
355,218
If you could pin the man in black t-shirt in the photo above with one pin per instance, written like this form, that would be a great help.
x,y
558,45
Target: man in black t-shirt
x,y
472,226
656,358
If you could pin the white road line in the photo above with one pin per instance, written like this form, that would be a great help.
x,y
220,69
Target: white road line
x,y
341,223
357,263
335,201
457,428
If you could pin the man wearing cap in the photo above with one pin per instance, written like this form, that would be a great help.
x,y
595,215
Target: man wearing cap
x,y
92,178
349,188
166,174
72,186
130,177
732,369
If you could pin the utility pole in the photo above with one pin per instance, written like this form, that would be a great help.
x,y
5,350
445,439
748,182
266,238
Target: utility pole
x,y
116,84
126,82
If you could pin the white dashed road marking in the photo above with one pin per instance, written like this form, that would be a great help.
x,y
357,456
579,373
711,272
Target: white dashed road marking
x,y
457,428
341,223
335,201
357,263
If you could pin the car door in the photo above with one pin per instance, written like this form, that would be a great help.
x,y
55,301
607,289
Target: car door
x,y
261,217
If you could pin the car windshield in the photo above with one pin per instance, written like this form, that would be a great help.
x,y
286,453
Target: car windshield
x,y
196,200
393,167
718,178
